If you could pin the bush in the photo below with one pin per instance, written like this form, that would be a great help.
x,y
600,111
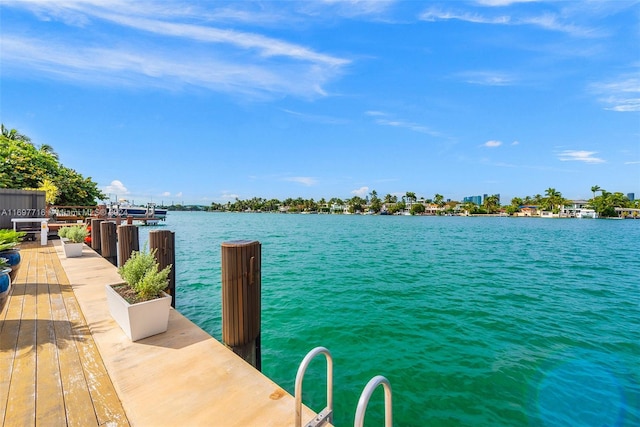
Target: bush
x,y
10,238
141,272
77,233
63,231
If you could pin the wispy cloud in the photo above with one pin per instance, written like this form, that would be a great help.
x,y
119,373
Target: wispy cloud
x,y
632,163
435,14
621,94
317,118
547,21
383,119
492,144
487,78
304,180
579,156
229,196
502,2
211,57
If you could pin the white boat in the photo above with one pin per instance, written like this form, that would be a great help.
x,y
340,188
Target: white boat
x,y
124,209
586,213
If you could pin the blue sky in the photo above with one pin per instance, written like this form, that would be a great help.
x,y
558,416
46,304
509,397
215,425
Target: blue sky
x,y
200,102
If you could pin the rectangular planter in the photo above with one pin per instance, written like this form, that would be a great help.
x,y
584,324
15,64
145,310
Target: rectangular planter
x,y
140,320
72,250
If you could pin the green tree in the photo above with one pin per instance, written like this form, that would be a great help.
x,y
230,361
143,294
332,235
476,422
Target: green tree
x,y
24,167
606,202
374,201
492,203
417,209
594,189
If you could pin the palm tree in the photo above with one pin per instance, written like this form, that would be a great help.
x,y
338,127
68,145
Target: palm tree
x,y
594,189
491,203
46,148
554,198
14,135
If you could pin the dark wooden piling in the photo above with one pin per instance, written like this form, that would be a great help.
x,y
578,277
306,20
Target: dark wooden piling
x,y
95,234
128,242
241,298
109,242
163,242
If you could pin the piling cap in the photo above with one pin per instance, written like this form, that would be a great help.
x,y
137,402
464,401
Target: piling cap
x,y
238,243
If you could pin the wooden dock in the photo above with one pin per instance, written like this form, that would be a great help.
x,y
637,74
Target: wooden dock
x,y
64,361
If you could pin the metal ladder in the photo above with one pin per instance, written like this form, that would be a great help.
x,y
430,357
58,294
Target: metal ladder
x,y
366,395
326,415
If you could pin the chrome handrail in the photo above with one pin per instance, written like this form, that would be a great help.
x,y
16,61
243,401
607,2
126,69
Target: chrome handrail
x,y
326,415
364,401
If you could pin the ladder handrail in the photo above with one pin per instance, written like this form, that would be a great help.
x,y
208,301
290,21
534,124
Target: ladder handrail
x,y
366,395
328,411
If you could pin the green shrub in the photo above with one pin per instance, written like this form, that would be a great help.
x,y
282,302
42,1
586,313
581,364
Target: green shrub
x,y
77,233
10,238
63,231
141,272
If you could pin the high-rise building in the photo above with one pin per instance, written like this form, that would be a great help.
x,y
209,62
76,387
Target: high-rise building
x,y
473,199
631,196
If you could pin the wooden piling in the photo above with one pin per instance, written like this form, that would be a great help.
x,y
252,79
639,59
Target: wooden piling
x,y
108,241
95,234
163,242
241,298
128,242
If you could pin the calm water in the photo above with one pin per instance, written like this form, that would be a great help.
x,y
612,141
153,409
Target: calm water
x,y
475,321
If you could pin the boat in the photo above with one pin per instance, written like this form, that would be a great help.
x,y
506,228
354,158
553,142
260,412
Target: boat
x,y
586,213
150,212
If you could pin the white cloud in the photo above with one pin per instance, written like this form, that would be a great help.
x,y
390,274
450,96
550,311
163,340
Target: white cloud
x,y
492,144
548,21
579,156
515,143
440,15
304,180
502,2
361,192
116,187
621,94
179,194
632,163
229,196
487,78
415,127
215,58
166,194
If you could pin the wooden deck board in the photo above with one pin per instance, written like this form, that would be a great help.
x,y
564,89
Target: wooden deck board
x,y
52,373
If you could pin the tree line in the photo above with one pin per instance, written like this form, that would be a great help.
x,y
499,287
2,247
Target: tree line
x,y
552,200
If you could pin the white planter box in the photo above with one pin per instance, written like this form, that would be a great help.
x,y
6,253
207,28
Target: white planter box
x,y
140,320
72,250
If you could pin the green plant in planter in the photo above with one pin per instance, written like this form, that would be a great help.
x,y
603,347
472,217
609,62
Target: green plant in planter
x,y
10,238
77,233
4,263
63,231
144,280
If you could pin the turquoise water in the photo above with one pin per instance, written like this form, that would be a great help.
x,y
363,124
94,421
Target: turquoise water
x,y
475,321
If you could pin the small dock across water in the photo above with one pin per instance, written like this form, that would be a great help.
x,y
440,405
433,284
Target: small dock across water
x,y
65,362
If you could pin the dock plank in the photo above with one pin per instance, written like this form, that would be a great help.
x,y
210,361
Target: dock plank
x,y
52,372
21,407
